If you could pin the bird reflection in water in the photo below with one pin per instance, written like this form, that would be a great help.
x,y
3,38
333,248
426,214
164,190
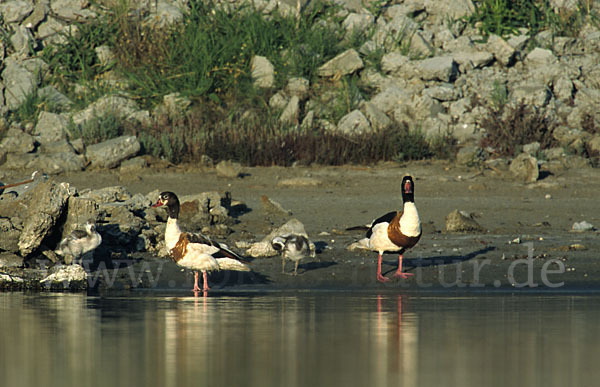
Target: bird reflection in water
x,y
396,338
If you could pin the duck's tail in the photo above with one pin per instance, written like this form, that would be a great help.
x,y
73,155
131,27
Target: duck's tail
x,y
232,264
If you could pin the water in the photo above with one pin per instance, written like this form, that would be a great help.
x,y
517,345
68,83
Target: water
x,y
299,339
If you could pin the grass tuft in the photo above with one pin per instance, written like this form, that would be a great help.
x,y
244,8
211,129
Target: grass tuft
x,y
509,127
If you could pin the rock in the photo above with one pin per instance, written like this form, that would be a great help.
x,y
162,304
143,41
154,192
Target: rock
x,y
56,163
50,30
593,145
357,22
79,211
308,121
354,123
563,89
472,59
278,101
167,13
454,10
10,260
123,229
54,97
345,63
120,107
582,226
539,57
399,29
47,202
175,104
263,72
229,169
525,168
531,93
299,182
264,248
51,127
378,119
420,45
389,99
72,10
272,207
518,42
18,81
40,10
133,165
460,221
291,111
17,141
22,41
110,153
396,64
442,68
532,148
15,11
9,234
68,276
10,279
299,87
503,52
112,194
444,92
470,155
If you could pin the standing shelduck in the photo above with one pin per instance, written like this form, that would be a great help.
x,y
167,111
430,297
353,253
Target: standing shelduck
x,y
396,231
195,251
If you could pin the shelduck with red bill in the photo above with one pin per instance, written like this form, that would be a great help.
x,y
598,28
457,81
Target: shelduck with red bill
x,y
195,251
396,231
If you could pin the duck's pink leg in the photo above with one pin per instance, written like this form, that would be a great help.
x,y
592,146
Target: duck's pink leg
x,y
196,287
380,277
399,272
206,288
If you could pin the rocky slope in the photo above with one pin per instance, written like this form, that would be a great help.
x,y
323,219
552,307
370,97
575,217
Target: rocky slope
x,y
430,84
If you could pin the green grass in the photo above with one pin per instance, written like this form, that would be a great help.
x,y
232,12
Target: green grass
x,y
97,129
505,17
208,55
207,58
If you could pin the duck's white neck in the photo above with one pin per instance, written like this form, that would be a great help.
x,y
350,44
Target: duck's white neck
x,y
172,233
410,224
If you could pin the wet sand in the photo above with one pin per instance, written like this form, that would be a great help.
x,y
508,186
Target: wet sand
x,y
527,245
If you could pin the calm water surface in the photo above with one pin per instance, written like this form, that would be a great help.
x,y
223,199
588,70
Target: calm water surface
x,y
299,339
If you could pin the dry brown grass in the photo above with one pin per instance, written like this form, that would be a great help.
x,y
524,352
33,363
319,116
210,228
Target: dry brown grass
x,y
510,127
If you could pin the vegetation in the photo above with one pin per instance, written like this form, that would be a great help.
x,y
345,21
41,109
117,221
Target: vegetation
x,y
505,17
263,141
206,58
509,127
97,129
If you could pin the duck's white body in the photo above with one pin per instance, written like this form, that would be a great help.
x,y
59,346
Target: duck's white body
x,y
200,256
396,231
195,251
410,224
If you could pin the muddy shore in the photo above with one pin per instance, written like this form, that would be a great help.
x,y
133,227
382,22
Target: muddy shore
x,y
528,243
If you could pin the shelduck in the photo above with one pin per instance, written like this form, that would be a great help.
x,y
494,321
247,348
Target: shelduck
x,y
293,247
396,231
80,242
193,250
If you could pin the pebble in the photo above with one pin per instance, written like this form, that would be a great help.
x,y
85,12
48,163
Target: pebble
x,y
582,226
